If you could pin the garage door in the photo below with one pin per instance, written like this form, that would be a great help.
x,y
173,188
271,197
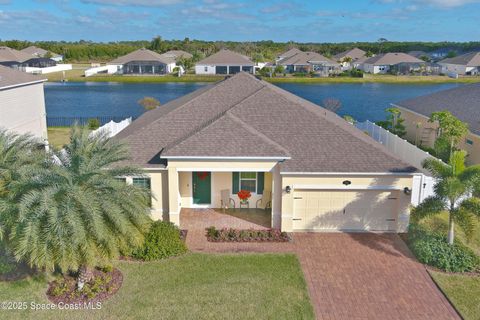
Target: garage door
x,y
365,210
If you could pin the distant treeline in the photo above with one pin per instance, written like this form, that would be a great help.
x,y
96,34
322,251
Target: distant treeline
x,y
88,51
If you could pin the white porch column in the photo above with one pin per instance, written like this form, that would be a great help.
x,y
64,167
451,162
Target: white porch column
x,y
173,196
276,198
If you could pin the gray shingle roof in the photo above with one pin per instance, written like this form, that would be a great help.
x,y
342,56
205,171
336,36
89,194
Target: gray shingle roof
x,y
176,54
289,53
226,57
37,52
305,58
141,55
392,58
463,102
9,54
244,116
13,78
354,53
471,59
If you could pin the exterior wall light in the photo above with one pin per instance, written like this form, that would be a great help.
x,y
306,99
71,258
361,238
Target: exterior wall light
x,y
407,191
288,189
347,183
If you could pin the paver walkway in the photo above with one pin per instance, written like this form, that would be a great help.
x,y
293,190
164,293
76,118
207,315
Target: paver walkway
x,y
349,275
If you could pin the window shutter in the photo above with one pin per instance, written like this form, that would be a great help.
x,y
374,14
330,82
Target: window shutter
x,y
260,182
235,182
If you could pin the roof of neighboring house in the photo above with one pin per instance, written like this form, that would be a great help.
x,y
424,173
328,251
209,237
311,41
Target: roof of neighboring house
x,y
243,116
10,78
37,52
226,57
141,55
354,53
289,53
418,54
463,102
9,54
471,59
175,54
392,58
305,58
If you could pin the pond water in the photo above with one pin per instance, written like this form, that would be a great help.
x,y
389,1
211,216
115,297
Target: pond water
x,y
119,100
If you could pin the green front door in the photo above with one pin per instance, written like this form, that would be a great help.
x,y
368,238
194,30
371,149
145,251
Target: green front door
x,y
202,188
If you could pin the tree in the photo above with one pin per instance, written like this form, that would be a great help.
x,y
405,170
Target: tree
x,y
75,213
149,103
349,119
451,130
347,60
394,122
157,44
332,104
186,63
279,69
453,194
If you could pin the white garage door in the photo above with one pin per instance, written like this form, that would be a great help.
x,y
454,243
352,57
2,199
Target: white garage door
x,y
363,210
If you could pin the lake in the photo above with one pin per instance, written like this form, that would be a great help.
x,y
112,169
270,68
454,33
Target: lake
x,y
119,100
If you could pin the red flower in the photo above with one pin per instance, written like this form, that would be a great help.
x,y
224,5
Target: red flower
x,y
244,194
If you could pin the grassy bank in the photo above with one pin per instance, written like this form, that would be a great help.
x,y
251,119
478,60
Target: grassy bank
x,y
194,286
58,136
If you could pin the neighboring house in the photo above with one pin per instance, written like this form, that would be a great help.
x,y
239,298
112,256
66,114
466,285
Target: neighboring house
x,y
466,64
29,63
305,62
356,55
225,62
386,62
287,54
42,53
322,173
463,102
419,54
143,61
177,54
22,103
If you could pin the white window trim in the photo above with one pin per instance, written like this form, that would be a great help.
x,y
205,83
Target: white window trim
x,y
240,181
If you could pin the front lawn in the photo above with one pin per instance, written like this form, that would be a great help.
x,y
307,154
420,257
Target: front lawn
x,y
58,136
194,286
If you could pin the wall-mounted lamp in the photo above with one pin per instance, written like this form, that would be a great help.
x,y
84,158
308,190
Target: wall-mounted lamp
x,y
407,191
288,189
347,183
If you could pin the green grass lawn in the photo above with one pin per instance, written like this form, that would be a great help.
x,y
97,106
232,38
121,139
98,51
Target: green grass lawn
x,y
194,286
58,136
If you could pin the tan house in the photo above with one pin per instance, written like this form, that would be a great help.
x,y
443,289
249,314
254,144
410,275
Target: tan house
x,y
356,55
465,64
288,54
143,61
42,53
242,133
22,103
225,62
387,62
463,102
305,62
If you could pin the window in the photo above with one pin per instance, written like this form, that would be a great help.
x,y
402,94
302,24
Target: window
x,y
205,69
141,182
121,179
469,142
248,181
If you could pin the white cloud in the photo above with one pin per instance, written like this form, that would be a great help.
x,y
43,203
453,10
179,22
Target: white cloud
x,y
448,3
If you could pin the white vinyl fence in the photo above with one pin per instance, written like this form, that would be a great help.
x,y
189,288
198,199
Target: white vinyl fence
x,y
423,184
57,68
112,128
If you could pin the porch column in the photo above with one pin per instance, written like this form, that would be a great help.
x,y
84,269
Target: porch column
x,y
173,197
276,198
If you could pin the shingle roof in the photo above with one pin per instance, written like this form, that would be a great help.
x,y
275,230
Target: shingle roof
x,y
471,59
226,57
12,78
175,54
463,102
304,58
354,53
289,53
141,55
392,58
244,116
9,54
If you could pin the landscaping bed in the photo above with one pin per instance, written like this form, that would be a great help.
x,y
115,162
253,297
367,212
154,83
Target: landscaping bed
x,y
240,235
105,283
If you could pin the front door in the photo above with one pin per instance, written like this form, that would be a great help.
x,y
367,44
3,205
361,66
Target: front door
x,y
201,184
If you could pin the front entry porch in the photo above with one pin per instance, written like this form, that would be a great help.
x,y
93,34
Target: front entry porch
x,y
200,219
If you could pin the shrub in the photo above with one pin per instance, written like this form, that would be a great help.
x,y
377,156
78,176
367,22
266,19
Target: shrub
x,y
7,263
93,123
162,241
434,250
242,235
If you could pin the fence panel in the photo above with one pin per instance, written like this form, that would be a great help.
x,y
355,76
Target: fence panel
x,y
69,121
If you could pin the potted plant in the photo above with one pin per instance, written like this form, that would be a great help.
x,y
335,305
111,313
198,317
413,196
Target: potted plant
x,y
244,195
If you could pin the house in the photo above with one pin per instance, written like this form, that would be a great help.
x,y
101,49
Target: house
x,y
225,62
287,54
243,133
305,62
142,62
466,64
384,63
29,63
350,58
22,103
418,54
42,53
177,54
463,102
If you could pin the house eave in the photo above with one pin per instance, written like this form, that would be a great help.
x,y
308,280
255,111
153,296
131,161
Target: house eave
x,y
276,158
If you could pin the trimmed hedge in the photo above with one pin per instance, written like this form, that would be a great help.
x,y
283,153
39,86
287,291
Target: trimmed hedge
x,y
240,235
162,241
433,249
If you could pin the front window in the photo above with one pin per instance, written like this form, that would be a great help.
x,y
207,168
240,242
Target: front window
x,y
248,181
141,182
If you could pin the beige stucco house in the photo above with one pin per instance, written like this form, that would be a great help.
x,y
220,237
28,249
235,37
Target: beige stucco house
x,y
465,64
22,103
463,102
321,172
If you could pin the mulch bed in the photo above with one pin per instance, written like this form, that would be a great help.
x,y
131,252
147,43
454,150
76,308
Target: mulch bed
x,y
241,235
72,296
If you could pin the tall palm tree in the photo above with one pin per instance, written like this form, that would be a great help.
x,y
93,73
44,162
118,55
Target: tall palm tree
x,y
75,213
455,193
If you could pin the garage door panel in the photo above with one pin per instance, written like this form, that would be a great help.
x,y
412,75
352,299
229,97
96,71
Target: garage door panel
x,y
345,210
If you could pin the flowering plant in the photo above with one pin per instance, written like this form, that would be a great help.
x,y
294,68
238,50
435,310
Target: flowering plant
x,y
244,195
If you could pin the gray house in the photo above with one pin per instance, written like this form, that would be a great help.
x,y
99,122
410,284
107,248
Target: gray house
x,y
145,62
17,59
305,62
225,62
466,64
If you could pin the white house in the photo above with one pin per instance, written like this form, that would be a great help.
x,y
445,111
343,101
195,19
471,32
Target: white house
x,y
42,53
382,63
22,103
466,64
225,62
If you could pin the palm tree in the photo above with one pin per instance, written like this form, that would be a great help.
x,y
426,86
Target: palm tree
x,y
75,213
455,193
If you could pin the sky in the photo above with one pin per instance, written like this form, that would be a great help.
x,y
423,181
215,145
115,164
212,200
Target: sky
x,y
241,20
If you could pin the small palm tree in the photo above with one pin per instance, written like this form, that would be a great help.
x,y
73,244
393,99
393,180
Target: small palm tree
x,y
75,213
455,191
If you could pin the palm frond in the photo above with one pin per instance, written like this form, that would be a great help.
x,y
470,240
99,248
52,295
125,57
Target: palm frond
x,y
471,205
429,207
466,221
437,168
